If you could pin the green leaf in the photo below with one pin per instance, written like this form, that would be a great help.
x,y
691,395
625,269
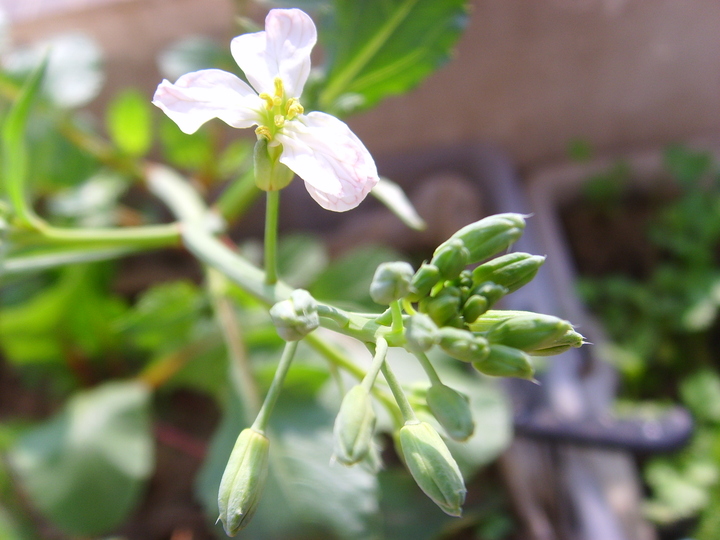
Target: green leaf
x,y
381,48
182,150
318,499
129,122
85,468
701,393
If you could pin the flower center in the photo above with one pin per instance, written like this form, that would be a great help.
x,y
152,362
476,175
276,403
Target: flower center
x,y
278,109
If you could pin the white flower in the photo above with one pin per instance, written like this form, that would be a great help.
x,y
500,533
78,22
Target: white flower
x,y
337,168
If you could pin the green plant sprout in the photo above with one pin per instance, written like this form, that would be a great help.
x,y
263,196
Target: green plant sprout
x,y
446,306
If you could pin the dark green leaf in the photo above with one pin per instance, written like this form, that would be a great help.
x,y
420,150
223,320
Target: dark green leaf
x,y
379,48
85,468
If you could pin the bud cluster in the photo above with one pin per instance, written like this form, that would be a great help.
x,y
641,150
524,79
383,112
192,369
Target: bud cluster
x,y
452,302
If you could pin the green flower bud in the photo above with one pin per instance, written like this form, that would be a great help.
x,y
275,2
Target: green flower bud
x,y
529,332
270,174
354,426
512,270
452,410
442,307
463,345
492,292
295,317
391,282
420,333
571,339
475,306
490,235
502,361
451,258
243,480
424,279
433,467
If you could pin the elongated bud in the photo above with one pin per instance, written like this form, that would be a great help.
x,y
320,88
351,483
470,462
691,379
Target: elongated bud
x,y
451,258
475,306
490,235
463,345
391,282
354,426
424,279
571,339
452,410
492,292
442,307
512,270
295,317
502,361
243,480
270,174
420,333
433,467
529,332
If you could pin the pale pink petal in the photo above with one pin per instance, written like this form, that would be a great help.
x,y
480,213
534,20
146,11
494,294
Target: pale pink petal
x,y
211,93
282,50
337,168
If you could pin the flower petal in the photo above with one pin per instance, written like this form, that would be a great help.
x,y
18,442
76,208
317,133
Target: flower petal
x,y
211,93
282,50
337,168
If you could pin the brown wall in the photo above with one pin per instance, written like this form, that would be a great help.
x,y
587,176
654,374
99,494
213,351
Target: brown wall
x,y
529,74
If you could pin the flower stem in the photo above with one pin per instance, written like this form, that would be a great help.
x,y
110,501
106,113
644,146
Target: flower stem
x,y
428,367
381,348
404,405
397,322
271,234
261,422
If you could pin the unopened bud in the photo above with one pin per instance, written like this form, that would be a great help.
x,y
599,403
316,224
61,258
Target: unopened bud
x,y
391,282
424,279
243,480
571,339
433,467
463,345
420,333
490,235
452,410
442,307
512,270
502,361
354,426
270,174
451,258
475,306
529,332
295,317
492,292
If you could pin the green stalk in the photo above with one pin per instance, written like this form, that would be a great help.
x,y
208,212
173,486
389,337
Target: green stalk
x,y
429,368
400,398
381,348
397,321
263,417
272,211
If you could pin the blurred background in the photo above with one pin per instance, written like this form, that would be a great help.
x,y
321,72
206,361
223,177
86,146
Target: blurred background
x,y
598,117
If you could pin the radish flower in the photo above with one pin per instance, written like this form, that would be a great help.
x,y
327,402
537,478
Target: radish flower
x,y
337,168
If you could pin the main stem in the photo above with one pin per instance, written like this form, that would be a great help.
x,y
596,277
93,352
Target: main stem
x,y
272,211
261,422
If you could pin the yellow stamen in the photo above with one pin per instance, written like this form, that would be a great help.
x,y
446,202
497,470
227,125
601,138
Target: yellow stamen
x,y
264,131
268,100
279,120
293,108
279,90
